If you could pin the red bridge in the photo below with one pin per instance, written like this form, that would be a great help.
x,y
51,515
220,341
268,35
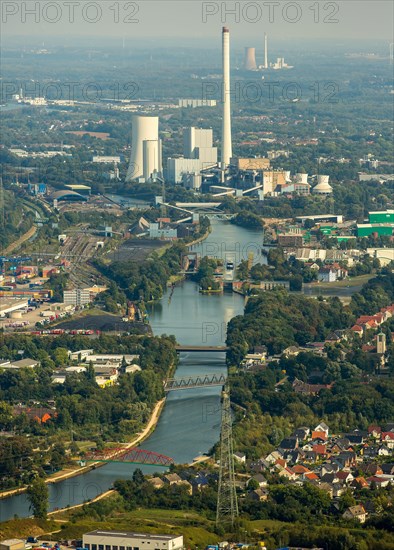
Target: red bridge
x,y
131,456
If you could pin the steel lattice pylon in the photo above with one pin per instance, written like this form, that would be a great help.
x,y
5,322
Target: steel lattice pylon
x,y
227,506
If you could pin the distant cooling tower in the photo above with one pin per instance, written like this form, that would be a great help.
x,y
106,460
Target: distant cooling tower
x,y
250,59
322,179
144,128
301,178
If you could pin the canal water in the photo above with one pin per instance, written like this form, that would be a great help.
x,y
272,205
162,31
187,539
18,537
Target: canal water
x,y
190,422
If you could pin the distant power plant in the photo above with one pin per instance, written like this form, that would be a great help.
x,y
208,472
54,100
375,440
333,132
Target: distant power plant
x,y
145,158
250,59
227,152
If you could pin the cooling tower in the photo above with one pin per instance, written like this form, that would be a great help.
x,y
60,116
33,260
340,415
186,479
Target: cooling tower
x,y
322,179
250,59
151,157
301,178
144,128
227,152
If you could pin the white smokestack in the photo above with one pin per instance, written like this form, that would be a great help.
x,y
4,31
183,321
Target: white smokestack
x,y
265,51
227,152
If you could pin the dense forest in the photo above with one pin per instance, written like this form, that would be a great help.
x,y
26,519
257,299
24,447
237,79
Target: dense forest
x,y
278,319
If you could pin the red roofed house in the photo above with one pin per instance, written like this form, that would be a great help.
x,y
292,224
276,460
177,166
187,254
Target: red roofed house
x,y
311,476
357,329
379,481
344,477
299,469
320,450
319,435
360,483
375,431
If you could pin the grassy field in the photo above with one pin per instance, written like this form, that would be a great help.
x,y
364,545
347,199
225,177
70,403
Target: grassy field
x,y
22,528
197,530
346,283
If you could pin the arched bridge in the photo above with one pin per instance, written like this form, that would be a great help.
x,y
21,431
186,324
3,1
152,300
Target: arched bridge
x,y
189,382
134,455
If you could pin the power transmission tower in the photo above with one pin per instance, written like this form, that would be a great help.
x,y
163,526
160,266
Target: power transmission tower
x,y
227,506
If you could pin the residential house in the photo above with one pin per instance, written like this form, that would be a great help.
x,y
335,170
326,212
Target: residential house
x,y
357,512
299,469
260,479
289,444
359,483
380,481
388,468
388,439
374,431
319,436
156,482
344,477
240,457
338,489
327,275
357,329
322,427
301,433
273,457
173,479
320,451
309,389
258,495
384,450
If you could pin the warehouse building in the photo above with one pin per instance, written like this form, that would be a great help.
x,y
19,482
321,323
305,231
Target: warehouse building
x,y
122,540
366,229
12,544
386,216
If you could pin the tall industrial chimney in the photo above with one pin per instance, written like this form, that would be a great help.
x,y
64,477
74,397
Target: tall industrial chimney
x,y
265,51
250,59
226,123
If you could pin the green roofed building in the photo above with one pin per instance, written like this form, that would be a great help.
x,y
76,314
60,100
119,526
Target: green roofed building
x,y
386,216
366,229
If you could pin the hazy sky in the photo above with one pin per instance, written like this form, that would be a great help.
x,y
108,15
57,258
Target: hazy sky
x,y
340,19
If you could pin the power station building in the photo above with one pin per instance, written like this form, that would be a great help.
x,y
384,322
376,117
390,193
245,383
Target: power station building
x,y
198,144
199,154
146,157
115,540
